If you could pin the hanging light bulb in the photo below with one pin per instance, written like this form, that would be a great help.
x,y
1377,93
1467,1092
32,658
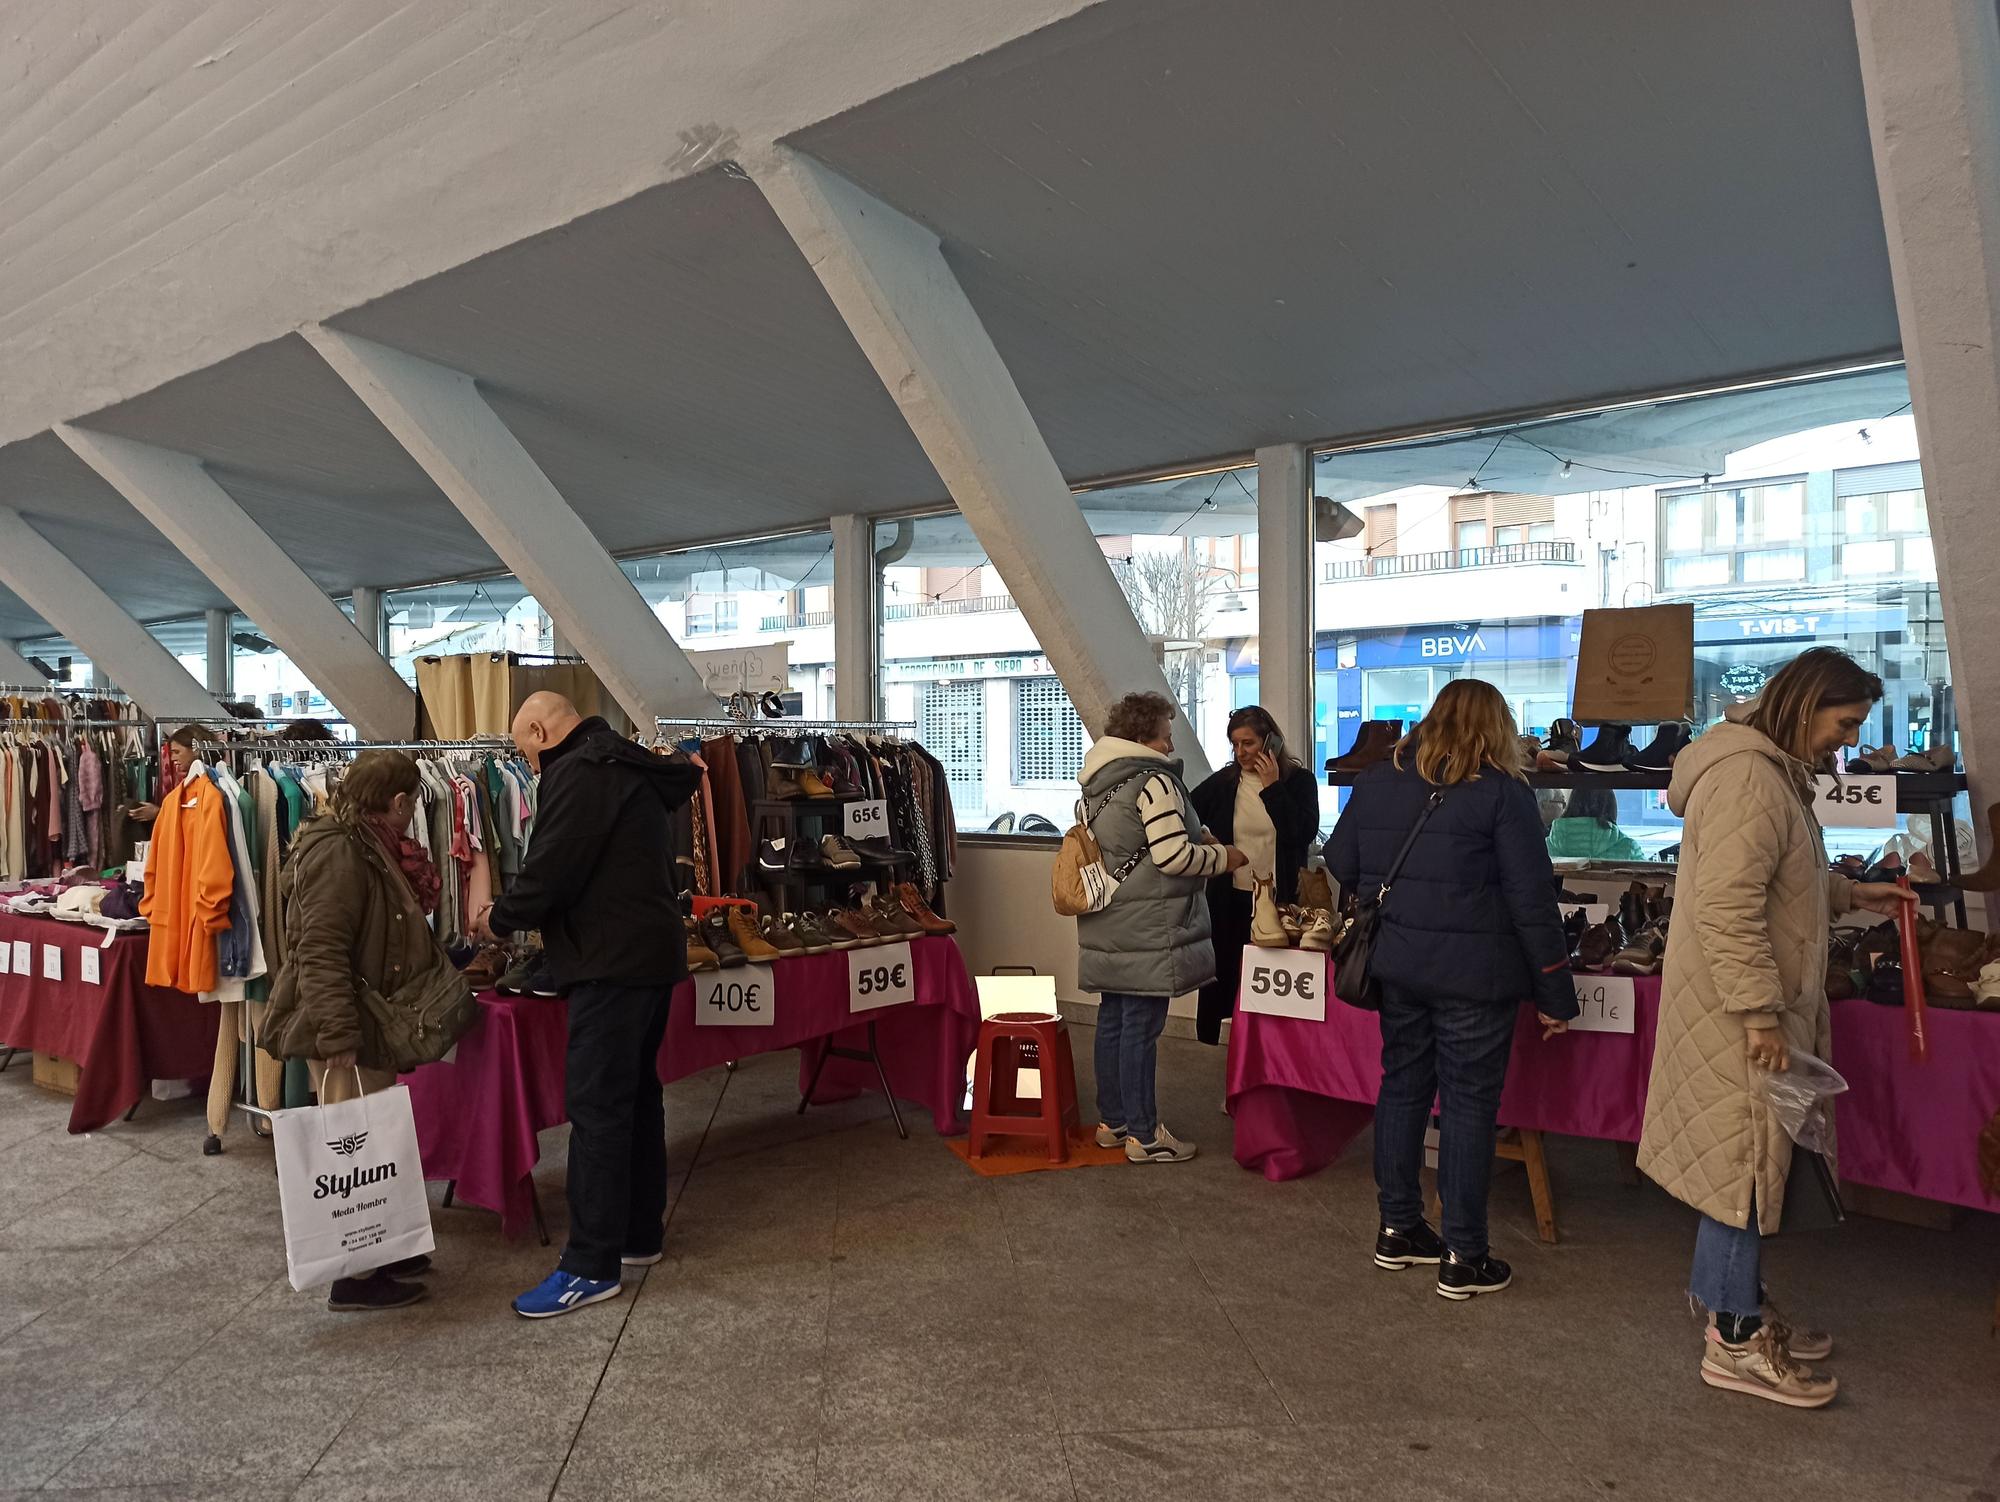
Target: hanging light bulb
x,y
1565,469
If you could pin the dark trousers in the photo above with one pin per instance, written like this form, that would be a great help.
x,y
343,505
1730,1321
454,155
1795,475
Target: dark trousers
x,y
618,1126
1453,1053
1229,917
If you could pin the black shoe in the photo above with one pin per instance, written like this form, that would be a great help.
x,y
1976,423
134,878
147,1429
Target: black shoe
x,y
1666,745
1607,753
361,1295
1462,1278
409,1267
878,852
716,935
775,855
1417,1247
542,983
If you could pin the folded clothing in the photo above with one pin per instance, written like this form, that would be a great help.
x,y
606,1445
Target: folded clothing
x,y
79,900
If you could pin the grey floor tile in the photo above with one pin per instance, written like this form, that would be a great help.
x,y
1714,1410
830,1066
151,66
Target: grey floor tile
x,y
651,1412
136,1200
1026,1467
520,1414
469,1480
760,1310
946,1385
642,1474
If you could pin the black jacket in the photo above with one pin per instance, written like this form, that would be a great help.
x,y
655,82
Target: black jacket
x,y
1293,804
1473,915
598,880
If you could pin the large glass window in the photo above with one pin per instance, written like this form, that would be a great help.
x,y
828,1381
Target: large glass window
x,y
448,620
1048,737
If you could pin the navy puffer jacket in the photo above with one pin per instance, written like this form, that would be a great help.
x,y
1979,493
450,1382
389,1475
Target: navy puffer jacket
x,y
1473,916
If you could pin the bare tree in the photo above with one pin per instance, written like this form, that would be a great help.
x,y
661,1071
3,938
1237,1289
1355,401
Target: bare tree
x,y
1171,596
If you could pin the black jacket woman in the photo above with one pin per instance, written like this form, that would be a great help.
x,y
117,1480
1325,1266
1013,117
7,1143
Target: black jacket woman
x,y
1267,805
1470,931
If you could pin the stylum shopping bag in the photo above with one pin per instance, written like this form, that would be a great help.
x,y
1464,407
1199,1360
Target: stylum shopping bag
x,y
351,1187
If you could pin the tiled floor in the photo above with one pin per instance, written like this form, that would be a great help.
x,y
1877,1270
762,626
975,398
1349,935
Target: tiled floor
x,y
844,1315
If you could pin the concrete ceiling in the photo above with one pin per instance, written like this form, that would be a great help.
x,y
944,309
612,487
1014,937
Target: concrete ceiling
x,y
1191,228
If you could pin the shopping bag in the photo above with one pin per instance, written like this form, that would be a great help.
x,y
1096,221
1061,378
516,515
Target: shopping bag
x,y
351,1187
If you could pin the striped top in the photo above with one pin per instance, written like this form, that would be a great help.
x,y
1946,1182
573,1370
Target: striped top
x,y
1168,841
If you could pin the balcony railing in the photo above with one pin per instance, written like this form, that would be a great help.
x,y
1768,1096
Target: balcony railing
x,y
1392,564
916,611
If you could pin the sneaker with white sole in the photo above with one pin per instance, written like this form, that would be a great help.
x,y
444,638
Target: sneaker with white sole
x,y
1110,1136
641,1259
1462,1278
1806,1345
564,1293
1764,1367
1164,1148
1419,1246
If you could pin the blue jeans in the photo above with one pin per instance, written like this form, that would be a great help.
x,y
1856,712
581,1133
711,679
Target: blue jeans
x,y
1728,1274
1128,1052
1453,1053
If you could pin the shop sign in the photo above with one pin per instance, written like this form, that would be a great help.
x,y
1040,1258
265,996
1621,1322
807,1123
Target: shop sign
x,y
751,670
928,669
1284,983
1710,630
743,996
885,976
1605,1004
1860,802
1501,641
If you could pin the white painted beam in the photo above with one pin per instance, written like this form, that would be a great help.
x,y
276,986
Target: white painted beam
x,y
887,277
1285,591
219,660
1930,70
67,598
179,497
856,623
439,416
16,669
368,616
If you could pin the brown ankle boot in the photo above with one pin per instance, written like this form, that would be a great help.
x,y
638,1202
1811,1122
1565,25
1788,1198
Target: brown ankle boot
x,y
917,908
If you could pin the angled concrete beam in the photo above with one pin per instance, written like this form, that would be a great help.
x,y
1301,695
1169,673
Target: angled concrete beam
x,y
218,657
65,596
889,281
1285,591
179,497
440,417
1930,70
16,669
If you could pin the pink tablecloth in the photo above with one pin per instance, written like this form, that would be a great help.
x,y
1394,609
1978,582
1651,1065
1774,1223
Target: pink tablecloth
x,y
478,1116
1300,1091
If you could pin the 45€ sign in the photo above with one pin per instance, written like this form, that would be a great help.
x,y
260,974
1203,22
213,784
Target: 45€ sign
x,y
1856,802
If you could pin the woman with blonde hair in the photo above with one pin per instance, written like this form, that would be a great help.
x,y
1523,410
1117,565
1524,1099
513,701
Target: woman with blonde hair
x,y
1744,985
1470,932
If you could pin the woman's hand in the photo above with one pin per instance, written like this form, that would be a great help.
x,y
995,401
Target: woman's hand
x,y
1237,860
1766,1047
1265,769
1551,1025
1881,897
145,813
339,1060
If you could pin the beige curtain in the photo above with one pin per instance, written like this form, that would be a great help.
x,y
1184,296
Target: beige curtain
x,y
477,694
444,694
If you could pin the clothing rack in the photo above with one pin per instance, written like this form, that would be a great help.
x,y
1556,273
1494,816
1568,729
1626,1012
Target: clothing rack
x,y
45,690
7,721
785,727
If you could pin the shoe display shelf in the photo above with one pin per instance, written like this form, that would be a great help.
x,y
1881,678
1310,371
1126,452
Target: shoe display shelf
x,y
1919,794
801,823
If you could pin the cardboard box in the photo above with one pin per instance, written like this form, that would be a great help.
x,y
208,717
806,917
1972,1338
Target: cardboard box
x,y
59,1075
1635,667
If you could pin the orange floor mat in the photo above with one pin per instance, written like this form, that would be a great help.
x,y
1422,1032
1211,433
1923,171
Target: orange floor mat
x,y
1005,1155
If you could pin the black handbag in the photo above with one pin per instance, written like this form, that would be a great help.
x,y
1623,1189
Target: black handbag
x,y
1356,948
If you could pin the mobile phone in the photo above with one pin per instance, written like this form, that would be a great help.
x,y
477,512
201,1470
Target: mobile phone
x,y
1274,745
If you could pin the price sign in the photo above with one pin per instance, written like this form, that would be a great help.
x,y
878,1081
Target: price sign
x,y
1284,983
89,962
24,957
868,820
1594,913
1856,802
743,996
1607,1004
51,962
6,958
885,976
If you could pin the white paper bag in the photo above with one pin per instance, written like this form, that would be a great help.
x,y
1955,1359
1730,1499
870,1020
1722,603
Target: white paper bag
x,y
351,1187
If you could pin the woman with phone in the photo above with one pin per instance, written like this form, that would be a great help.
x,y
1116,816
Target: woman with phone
x,y
1267,805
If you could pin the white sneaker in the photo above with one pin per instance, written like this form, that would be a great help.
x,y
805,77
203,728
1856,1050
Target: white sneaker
x,y
1764,1367
1164,1148
1109,1136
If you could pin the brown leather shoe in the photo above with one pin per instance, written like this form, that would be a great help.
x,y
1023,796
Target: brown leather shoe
x,y
887,914
743,929
1600,944
779,934
917,908
857,926
700,957
1643,955
1372,743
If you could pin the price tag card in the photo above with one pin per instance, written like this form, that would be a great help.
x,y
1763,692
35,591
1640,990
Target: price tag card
x,y
1607,1004
742,996
1863,802
885,976
24,957
868,820
51,962
89,963
6,959
1594,913
1284,983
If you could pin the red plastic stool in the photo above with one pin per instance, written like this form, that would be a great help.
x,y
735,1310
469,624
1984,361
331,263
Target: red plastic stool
x,y
1009,1041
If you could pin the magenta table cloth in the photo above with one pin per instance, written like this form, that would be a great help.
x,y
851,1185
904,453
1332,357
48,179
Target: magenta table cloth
x,y
1301,1091
478,1117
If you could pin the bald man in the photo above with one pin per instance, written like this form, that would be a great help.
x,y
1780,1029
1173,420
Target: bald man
x,y
598,882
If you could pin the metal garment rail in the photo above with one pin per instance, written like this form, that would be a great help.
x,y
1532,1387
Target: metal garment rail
x,y
787,726
58,690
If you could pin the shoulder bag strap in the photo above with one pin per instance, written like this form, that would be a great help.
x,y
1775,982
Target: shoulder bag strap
x,y
1396,865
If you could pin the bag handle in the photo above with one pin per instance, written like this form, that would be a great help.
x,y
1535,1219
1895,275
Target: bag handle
x,y
1396,866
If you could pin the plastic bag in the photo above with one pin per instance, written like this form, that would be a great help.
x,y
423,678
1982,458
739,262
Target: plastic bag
x,y
1798,1096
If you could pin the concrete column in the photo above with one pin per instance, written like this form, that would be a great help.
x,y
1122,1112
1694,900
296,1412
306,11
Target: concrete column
x,y
221,663
368,617
888,278
1285,591
1930,70
439,416
16,669
67,598
178,496
856,632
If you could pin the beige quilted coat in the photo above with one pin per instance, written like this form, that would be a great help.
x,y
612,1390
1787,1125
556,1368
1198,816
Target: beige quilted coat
x,y
1746,948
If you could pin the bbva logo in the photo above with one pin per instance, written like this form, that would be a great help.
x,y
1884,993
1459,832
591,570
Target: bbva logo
x,y
1451,646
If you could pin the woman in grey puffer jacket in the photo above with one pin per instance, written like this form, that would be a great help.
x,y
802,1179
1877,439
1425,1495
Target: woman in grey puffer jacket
x,y
1152,942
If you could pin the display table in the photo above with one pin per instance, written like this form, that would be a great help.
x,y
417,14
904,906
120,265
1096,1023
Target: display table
x,y
1300,1091
478,1116
121,1032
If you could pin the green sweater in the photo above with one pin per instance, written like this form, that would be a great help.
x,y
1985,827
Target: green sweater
x,y
1591,839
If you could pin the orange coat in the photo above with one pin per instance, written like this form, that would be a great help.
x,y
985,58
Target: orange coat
x,y
189,874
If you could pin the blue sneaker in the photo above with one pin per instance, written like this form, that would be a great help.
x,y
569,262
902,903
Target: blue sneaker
x,y
563,1293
